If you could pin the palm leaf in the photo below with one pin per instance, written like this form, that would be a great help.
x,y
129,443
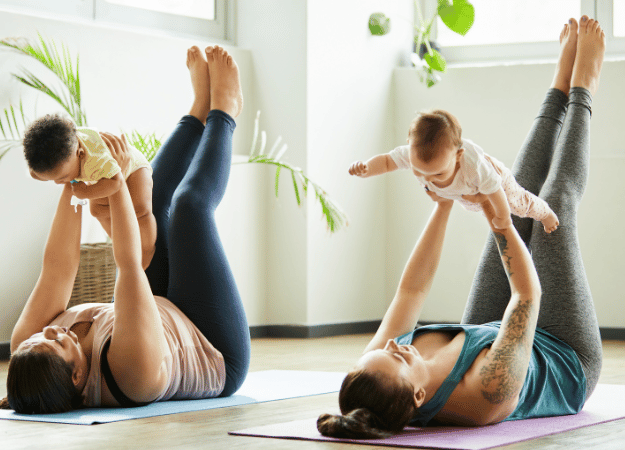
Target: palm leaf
x,y
10,128
60,63
147,144
299,202
334,216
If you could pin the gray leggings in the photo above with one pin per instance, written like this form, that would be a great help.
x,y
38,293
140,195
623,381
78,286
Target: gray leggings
x,y
553,164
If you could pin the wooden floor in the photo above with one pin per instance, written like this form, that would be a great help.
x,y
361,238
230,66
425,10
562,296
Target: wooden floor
x,y
208,429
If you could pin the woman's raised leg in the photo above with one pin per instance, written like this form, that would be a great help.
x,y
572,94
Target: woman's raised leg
x,y
490,291
201,282
171,164
567,309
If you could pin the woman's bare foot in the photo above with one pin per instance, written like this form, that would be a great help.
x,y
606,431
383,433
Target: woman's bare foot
x,y
550,222
226,94
590,51
568,48
198,67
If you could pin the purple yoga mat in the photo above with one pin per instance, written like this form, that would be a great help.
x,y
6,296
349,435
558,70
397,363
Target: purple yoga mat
x,y
607,403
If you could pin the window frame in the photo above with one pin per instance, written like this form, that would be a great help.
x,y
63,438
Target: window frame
x,y
102,13
527,51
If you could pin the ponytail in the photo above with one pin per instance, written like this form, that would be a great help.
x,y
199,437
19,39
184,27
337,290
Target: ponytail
x,y
372,407
357,424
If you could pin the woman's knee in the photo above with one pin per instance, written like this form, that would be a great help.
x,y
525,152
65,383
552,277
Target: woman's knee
x,y
235,376
189,202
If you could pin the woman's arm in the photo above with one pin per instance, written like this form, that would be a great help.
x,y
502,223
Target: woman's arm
x,y
501,209
502,372
416,281
61,257
138,346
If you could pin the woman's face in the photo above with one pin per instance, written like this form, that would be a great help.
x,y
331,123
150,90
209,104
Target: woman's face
x,y
396,361
62,342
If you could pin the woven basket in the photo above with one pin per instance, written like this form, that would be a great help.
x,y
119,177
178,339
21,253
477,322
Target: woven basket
x,y
95,281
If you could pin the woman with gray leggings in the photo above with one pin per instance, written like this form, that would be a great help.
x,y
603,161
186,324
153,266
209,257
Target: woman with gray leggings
x,y
529,344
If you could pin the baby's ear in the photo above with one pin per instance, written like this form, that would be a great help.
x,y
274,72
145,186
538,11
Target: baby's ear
x,y
459,152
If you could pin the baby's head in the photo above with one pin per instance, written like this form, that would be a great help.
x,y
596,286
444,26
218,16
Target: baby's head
x,y
435,140
52,149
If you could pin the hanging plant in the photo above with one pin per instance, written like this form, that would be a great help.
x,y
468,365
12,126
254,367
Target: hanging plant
x,y
458,17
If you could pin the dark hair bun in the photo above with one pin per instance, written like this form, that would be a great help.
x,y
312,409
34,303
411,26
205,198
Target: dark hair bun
x,y
357,424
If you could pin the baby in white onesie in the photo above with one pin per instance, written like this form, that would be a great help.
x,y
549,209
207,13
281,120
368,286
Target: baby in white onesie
x,y
451,167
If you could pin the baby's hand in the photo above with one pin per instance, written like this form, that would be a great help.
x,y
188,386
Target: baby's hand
x,y
502,222
359,169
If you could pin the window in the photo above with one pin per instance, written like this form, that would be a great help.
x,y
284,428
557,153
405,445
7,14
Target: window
x,y
501,22
618,17
527,30
190,8
204,18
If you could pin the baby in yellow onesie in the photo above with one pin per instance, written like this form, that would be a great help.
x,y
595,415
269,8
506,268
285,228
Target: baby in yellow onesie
x,y
56,150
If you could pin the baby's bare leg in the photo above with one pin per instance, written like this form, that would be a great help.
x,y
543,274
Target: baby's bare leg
x,y
140,188
525,204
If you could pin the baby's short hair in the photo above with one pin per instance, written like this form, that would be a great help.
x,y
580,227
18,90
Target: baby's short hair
x,y
49,141
430,129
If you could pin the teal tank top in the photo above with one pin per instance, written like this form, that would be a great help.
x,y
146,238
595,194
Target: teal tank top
x,y
555,384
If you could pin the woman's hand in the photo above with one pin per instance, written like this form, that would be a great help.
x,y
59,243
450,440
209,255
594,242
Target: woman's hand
x,y
437,198
494,222
118,148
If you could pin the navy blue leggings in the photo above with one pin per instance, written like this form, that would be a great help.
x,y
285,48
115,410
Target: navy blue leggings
x,y
189,266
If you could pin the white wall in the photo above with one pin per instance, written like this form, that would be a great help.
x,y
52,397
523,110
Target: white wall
x,y
274,31
324,84
496,106
349,118
129,80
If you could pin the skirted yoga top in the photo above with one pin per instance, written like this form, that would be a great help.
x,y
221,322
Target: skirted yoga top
x,y
555,384
196,368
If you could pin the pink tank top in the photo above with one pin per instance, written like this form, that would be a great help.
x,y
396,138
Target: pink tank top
x,y
196,368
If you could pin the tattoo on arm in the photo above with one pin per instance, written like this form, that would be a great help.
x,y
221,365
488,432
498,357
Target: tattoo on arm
x,y
502,245
504,373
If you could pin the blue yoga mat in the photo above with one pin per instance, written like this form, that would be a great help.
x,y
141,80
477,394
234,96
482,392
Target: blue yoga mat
x,y
258,387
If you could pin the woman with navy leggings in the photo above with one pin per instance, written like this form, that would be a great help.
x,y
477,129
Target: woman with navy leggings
x,y
177,330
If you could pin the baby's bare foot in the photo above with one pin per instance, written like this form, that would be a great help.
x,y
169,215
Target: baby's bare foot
x,y
226,94
568,49
550,223
590,51
200,80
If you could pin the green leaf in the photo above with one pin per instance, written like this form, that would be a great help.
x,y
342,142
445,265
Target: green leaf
x,y
299,202
458,17
379,24
147,144
435,61
277,179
